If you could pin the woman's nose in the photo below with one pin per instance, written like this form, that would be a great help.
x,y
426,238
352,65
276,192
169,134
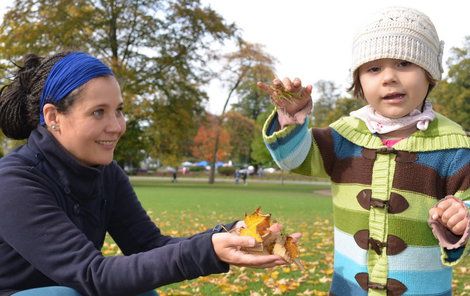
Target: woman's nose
x,y
116,124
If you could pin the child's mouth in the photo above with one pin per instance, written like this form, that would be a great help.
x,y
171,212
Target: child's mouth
x,y
394,96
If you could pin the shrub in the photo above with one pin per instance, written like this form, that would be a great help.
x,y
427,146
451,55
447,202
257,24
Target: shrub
x,y
227,171
196,169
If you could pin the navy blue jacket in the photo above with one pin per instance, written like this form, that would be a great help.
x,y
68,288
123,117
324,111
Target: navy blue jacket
x,y
55,212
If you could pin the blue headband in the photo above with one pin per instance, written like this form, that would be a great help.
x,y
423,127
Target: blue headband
x,y
71,72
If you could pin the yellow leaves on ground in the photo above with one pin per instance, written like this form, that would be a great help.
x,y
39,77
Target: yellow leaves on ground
x,y
316,252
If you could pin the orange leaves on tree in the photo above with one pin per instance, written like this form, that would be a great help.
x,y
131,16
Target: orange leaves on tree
x,y
269,238
204,142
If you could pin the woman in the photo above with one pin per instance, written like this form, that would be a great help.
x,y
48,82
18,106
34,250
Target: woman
x,y
61,192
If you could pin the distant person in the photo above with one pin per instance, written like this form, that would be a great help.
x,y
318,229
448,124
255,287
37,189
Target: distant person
x,y
244,175
61,192
237,176
396,165
174,175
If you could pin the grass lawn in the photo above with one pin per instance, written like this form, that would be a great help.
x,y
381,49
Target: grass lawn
x,y
185,208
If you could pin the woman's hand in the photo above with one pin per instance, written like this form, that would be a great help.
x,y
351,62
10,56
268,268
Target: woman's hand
x,y
452,214
289,96
227,247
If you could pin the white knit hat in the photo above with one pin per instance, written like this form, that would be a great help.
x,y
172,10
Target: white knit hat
x,y
400,33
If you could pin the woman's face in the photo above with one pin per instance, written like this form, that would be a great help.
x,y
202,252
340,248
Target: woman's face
x,y
392,87
92,126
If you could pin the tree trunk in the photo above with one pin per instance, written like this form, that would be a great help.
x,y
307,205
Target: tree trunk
x,y
219,127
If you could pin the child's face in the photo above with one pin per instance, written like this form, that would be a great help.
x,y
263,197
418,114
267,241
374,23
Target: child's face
x,y
392,87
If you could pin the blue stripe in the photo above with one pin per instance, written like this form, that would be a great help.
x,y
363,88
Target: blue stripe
x,y
442,161
292,138
342,287
344,148
425,282
290,151
347,268
413,258
418,282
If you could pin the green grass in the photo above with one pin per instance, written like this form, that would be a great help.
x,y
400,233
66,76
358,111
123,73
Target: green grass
x,y
185,208
230,201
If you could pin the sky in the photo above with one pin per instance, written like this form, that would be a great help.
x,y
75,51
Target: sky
x,y
311,39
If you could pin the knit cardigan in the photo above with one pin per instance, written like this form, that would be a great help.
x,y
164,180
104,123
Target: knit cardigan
x,y
381,198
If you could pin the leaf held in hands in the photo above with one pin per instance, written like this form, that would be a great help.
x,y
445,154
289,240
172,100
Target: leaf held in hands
x,y
257,225
269,241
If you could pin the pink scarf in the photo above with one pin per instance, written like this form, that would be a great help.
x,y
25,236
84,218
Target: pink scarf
x,y
377,123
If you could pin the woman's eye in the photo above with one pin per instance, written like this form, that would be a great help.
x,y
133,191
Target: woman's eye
x,y
98,113
119,112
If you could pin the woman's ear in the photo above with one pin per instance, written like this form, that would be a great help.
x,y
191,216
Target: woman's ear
x,y
50,116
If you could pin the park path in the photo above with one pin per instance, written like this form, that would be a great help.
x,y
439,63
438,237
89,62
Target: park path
x,y
227,180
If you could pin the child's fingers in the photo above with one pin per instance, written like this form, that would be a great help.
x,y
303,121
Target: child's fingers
x,y
308,89
455,219
451,211
264,87
460,227
445,204
288,85
278,84
435,213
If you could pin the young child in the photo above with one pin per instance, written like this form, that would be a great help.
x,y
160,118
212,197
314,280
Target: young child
x,y
399,171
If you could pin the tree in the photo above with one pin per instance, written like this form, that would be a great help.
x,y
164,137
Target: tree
x,y
328,93
204,140
259,153
241,130
342,107
239,65
157,49
451,96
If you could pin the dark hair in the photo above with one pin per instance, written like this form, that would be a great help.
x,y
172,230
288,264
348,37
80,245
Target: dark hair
x,y
19,100
357,91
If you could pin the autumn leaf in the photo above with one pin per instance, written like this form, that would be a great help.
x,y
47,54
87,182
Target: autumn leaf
x,y
269,241
257,225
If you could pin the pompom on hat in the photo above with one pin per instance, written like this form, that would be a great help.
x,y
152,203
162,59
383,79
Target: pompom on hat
x,y
400,33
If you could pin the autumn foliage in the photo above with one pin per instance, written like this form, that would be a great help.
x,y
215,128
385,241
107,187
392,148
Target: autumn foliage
x,y
204,141
269,238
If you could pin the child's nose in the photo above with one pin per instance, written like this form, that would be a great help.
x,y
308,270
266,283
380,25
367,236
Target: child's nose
x,y
389,75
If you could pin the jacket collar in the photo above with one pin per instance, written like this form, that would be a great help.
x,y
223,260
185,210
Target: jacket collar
x,y
83,182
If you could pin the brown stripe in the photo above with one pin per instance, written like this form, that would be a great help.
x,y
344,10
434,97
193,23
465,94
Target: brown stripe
x,y
458,181
324,141
412,176
353,170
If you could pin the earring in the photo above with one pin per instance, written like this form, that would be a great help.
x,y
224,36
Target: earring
x,y
55,127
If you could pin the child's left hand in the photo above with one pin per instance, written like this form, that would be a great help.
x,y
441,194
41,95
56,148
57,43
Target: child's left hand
x,y
452,214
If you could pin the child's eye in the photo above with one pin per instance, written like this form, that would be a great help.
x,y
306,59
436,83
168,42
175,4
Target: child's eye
x,y
373,69
98,113
403,64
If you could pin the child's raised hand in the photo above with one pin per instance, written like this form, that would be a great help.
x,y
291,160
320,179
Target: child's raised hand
x,y
289,96
451,213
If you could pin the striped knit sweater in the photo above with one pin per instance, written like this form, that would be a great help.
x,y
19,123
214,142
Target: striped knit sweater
x,y
381,200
